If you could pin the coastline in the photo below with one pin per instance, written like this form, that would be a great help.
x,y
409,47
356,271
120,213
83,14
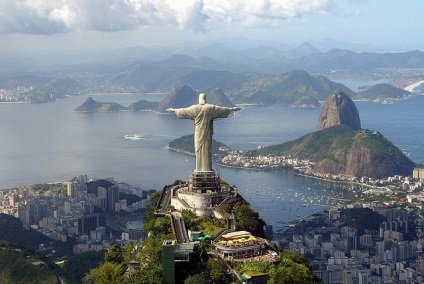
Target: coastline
x,y
412,87
387,100
179,151
304,175
280,168
335,181
251,168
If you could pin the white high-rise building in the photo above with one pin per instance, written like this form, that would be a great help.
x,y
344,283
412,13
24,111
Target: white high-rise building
x,y
71,189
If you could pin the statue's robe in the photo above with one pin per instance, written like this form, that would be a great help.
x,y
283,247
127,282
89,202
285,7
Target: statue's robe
x,y
203,116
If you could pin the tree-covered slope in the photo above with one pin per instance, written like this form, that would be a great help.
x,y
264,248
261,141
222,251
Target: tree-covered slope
x,y
287,88
12,230
91,105
186,144
383,92
342,150
143,105
19,265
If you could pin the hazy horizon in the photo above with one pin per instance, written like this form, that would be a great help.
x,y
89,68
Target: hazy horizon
x,y
43,30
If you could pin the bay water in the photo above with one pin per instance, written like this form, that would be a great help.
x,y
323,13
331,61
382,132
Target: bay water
x,y
51,142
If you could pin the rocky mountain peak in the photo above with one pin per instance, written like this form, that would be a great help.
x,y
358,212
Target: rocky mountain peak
x,y
339,109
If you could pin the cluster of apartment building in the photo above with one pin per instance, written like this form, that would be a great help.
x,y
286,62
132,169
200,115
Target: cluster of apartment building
x,y
72,214
340,255
241,159
18,94
377,186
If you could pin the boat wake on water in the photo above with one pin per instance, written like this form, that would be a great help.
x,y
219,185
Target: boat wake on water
x,y
148,137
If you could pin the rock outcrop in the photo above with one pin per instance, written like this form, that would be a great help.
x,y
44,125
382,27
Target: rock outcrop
x,y
340,146
339,109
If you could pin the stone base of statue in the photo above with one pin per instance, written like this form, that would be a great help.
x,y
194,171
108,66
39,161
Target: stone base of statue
x,y
203,194
204,182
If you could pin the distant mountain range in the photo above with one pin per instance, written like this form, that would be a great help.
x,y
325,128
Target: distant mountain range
x,y
183,69
262,72
338,59
290,88
275,59
296,89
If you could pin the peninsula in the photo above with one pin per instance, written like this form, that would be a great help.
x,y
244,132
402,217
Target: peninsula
x,y
384,93
339,147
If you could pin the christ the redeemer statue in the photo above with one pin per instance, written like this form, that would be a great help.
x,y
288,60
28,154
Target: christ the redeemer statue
x,y
203,115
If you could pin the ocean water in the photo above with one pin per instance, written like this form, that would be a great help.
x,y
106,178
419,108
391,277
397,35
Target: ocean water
x,y
51,142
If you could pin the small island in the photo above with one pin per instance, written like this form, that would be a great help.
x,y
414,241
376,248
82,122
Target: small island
x,y
382,93
179,97
90,105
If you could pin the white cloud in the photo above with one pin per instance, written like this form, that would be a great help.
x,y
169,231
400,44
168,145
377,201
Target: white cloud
x,y
56,16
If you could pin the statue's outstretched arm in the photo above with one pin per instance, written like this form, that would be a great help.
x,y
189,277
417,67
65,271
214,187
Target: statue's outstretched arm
x,y
235,108
170,109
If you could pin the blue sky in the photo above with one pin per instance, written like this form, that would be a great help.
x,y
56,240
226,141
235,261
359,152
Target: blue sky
x,y
33,26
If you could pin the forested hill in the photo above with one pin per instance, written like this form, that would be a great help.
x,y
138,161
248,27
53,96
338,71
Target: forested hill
x,y
20,265
343,150
91,105
12,230
288,89
185,144
382,92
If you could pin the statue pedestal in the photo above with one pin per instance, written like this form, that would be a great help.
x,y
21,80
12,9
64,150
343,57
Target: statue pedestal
x,y
202,194
204,182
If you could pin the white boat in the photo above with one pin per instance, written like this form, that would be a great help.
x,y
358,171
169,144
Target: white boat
x,y
133,137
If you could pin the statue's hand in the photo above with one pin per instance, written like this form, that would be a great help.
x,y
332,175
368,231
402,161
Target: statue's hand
x,y
236,108
170,109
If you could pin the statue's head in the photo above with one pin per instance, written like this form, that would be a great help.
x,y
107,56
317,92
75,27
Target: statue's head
x,y
202,99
